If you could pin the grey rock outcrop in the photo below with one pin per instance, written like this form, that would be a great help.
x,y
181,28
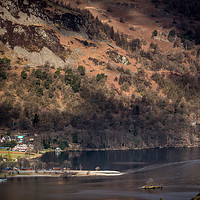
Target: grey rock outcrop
x,y
114,56
40,58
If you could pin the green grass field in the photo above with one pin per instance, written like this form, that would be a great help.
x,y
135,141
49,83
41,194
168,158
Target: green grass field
x,y
15,155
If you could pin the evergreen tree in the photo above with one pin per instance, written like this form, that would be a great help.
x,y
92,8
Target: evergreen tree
x,y
9,156
36,120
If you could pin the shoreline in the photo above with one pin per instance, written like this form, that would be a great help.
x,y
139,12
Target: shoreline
x,y
125,149
120,149
37,155
65,174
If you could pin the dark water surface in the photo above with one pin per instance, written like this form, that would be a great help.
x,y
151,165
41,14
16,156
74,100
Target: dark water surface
x,y
177,169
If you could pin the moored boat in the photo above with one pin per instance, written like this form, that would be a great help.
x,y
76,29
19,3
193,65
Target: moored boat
x,y
58,150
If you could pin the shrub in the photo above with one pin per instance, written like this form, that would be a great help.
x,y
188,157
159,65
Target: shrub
x,y
75,138
46,144
125,78
156,77
81,70
78,2
121,20
74,81
9,144
38,73
63,144
154,33
49,79
135,44
132,29
5,62
171,35
153,45
125,86
50,95
68,71
109,9
3,75
39,92
46,84
24,74
44,75
101,76
85,43
188,45
57,73
37,82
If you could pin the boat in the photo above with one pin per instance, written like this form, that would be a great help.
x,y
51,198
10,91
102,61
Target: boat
x,y
58,149
149,187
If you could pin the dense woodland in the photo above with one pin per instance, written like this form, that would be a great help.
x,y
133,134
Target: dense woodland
x,y
70,107
189,17
66,106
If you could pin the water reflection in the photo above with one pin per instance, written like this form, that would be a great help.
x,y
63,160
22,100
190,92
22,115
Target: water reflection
x,y
123,160
176,169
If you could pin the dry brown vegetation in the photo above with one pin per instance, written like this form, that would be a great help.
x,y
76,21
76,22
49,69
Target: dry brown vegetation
x,y
140,87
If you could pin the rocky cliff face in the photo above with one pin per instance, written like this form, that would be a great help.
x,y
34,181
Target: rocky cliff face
x,y
28,36
31,32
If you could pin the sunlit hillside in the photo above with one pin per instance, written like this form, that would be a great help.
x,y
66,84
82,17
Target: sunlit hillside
x,y
101,74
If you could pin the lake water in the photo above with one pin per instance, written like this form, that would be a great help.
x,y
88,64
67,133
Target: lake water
x,y
178,170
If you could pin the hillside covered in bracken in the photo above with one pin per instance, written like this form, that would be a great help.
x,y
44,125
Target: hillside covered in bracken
x,y
101,74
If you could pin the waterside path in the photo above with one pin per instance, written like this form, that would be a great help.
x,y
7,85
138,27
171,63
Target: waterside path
x,y
64,173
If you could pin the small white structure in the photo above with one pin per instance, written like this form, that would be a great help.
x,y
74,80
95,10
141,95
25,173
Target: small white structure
x,y
7,139
194,123
58,149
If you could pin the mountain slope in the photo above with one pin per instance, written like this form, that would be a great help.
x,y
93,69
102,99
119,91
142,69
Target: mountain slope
x,y
111,74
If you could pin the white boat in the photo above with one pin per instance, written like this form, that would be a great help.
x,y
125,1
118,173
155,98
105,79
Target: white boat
x,y
58,149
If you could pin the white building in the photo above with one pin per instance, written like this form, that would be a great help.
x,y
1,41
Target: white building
x,y
7,139
23,147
